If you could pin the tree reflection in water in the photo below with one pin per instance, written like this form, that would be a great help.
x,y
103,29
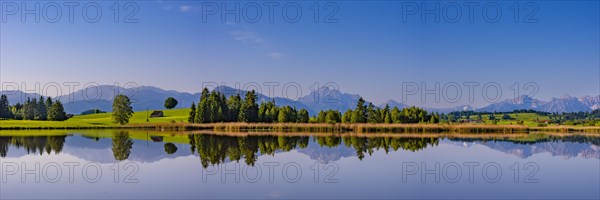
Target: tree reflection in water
x,y
33,144
121,145
216,149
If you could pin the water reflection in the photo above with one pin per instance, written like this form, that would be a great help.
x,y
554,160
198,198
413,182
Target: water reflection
x,y
214,149
32,144
121,145
190,166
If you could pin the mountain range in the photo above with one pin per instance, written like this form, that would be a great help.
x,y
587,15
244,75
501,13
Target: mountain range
x,y
152,98
565,103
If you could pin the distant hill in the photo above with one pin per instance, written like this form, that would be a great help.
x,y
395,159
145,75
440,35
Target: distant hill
x,y
591,102
326,98
451,109
519,103
143,98
564,104
559,105
152,98
392,104
16,96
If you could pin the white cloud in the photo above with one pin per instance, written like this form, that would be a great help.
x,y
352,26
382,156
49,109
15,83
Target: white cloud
x,y
256,42
185,8
275,55
181,8
246,36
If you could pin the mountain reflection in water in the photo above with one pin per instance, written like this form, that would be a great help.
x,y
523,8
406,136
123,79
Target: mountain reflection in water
x,y
214,149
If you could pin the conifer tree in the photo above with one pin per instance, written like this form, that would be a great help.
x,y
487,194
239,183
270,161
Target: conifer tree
x,y
41,109
192,116
5,111
249,108
234,104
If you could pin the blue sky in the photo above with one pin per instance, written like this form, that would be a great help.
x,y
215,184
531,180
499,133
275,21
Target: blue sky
x,y
367,48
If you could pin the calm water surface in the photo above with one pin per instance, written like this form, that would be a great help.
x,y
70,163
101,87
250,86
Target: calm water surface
x,y
146,165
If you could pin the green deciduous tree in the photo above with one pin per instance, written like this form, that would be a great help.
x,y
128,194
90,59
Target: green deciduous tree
x,y
287,114
57,112
347,117
170,103
267,112
17,111
303,116
122,109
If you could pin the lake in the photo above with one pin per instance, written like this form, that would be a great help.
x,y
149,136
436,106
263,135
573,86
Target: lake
x,y
125,164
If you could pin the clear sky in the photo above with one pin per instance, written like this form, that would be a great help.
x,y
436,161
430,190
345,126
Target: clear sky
x,y
366,47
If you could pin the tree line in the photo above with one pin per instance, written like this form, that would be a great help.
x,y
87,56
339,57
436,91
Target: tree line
x,y
372,114
215,107
33,109
566,118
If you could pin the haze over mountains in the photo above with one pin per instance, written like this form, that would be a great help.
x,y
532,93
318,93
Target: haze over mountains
x,y
152,98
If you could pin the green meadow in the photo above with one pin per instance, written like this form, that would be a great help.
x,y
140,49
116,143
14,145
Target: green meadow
x,y
529,119
176,118
101,120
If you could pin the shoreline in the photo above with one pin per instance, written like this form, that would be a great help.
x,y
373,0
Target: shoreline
x,y
327,128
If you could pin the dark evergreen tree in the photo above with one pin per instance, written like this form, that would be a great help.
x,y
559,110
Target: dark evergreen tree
x,y
5,111
28,110
234,104
202,108
48,103
249,108
41,109
192,115
360,113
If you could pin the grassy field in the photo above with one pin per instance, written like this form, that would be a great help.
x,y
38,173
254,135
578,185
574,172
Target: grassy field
x,y
176,120
101,120
529,119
